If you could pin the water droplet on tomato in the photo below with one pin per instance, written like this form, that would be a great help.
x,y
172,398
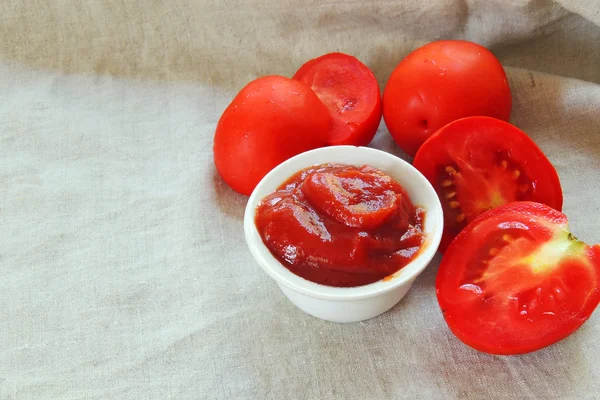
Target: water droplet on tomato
x,y
471,288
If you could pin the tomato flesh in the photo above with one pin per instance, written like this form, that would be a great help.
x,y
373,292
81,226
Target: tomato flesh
x,y
351,93
516,280
478,163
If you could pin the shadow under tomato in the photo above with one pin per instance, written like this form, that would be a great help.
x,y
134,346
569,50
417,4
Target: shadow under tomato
x,y
229,201
553,372
463,372
383,141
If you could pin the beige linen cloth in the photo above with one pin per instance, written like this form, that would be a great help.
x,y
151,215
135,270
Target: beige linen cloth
x,y
123,268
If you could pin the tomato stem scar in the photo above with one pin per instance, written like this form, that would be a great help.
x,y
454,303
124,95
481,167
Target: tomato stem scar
x,y
570,236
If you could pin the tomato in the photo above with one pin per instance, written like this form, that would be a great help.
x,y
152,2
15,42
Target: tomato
x,y
478,163
516,280
439,83
272,119
350,91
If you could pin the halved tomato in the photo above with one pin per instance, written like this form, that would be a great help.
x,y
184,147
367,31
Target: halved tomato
x,y
516,280
478,163
351,93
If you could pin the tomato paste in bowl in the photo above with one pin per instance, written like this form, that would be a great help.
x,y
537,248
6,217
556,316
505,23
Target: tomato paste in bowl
x,y
311,221
341,225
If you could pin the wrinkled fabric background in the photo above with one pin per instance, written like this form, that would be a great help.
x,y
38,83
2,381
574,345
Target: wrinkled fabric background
x,y
123,268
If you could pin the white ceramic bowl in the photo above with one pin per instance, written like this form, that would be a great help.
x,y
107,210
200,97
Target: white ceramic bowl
x,y
355,303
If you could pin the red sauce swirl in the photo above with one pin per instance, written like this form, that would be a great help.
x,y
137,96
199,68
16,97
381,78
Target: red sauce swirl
x,y
341,225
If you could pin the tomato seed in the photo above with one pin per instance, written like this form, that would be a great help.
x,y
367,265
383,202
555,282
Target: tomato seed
x,y
446,183
460,218
516,174
450,195
450,170
454,204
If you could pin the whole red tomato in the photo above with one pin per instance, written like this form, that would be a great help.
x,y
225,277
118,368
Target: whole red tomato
x,y
439,83
272,119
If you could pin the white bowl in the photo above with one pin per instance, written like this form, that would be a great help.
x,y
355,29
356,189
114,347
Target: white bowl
x,y
355,303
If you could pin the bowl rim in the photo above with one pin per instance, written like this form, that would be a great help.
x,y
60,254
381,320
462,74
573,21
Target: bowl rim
x,y
283,276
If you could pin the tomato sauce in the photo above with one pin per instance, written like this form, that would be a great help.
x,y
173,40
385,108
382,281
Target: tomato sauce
x,y
341,225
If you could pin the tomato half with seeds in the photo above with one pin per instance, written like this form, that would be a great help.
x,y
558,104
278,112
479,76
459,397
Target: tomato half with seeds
x,y
478,163
516,280
351,93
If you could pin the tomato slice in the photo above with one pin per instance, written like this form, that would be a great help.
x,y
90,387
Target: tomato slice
x,y
478,163
351,93
516,280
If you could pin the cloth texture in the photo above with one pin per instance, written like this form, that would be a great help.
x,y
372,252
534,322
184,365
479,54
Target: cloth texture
x,y
124,273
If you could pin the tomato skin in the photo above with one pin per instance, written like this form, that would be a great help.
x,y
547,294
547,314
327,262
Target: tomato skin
x,y
439,83
492,315
271,119
475,141
350,91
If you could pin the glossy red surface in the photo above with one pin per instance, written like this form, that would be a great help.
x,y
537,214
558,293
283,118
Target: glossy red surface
x,y
341,225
